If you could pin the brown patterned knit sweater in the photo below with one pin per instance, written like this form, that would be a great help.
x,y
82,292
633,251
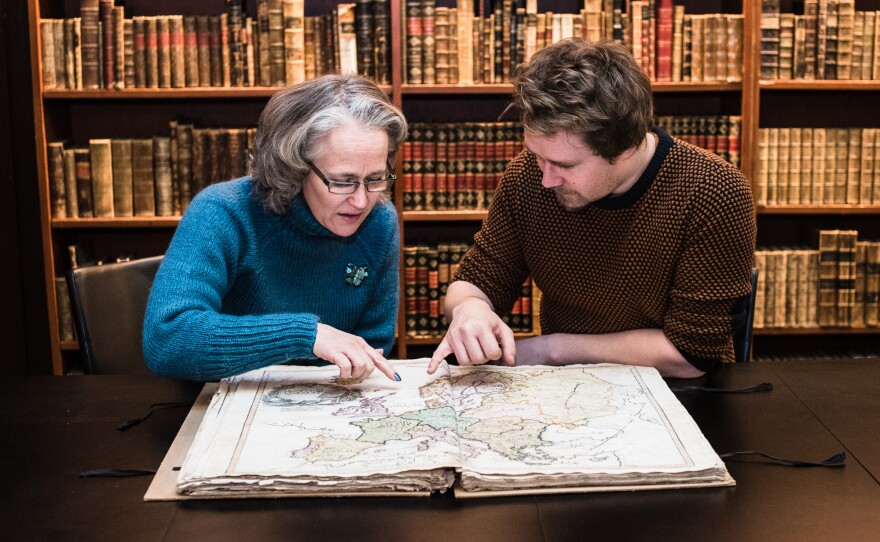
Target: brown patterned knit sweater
x,y
672,253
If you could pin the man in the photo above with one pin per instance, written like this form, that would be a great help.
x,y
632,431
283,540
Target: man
x,y
640,243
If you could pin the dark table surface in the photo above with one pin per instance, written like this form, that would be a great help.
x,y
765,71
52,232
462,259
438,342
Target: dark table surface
x,y
57,427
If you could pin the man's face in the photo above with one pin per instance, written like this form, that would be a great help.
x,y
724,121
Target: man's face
x,y
576,175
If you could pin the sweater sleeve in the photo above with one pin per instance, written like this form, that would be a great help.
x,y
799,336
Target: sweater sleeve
x,y
495,263
713,273
185,333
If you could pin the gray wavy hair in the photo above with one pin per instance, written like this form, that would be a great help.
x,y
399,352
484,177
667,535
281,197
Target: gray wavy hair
x,y
297,120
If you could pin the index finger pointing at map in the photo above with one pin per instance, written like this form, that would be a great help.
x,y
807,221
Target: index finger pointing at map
x,y
439,355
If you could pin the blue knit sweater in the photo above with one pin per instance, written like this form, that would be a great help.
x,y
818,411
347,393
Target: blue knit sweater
x,y
241,288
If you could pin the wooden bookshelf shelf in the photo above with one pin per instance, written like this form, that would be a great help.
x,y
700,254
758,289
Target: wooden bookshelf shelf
x,y
701,86
501,88
167,93
69,346
444,216
830,209
130,222
862,330
506,88
819,85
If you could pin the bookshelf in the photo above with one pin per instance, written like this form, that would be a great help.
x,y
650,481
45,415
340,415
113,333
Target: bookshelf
x,y
80,115
800,107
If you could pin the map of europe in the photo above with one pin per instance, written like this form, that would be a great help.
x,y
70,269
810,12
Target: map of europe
x,y
490,419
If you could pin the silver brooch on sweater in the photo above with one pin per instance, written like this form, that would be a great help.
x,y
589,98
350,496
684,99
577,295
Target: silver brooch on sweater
x,y
355,275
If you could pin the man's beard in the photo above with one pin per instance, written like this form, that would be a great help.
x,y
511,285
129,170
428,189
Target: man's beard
x,y
569,199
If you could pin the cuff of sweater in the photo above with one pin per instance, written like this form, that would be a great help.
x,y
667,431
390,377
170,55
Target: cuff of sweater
x,y
302,334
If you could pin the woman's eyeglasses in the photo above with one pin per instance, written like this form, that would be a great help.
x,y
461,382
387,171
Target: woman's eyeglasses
x,y
350,187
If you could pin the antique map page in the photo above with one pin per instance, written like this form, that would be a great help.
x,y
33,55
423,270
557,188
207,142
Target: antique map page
x,y
297,429
290,429
581,425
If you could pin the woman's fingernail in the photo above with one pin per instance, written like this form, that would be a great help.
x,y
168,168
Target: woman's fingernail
x,y
397,377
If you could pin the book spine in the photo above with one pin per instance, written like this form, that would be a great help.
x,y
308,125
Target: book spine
x,y
128,62
185,163
70,186
162,175
190,52
806,165
234,22
151,35
90,18
102,177
123,203
785,68
770,29
867,165
57,185
138,25
143,191
108,42
872,284
817,171
828,269
83,169
846,277
71,46
761,266
860,283
177,53
364,29
163,42
382,41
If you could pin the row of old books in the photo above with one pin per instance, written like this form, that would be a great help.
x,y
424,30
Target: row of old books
x,y
456,165
155,176
448,45
104,49
818,166
836,285
719,134
428,270
827,39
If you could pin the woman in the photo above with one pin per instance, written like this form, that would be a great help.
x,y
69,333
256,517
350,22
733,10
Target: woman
x,y
299,260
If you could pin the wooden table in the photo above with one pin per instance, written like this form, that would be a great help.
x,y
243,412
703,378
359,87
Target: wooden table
x,y
56,427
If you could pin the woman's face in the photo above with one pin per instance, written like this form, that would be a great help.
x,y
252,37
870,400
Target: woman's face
x,y
349,153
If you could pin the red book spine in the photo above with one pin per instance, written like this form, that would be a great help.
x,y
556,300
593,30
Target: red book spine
x,y
664,40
